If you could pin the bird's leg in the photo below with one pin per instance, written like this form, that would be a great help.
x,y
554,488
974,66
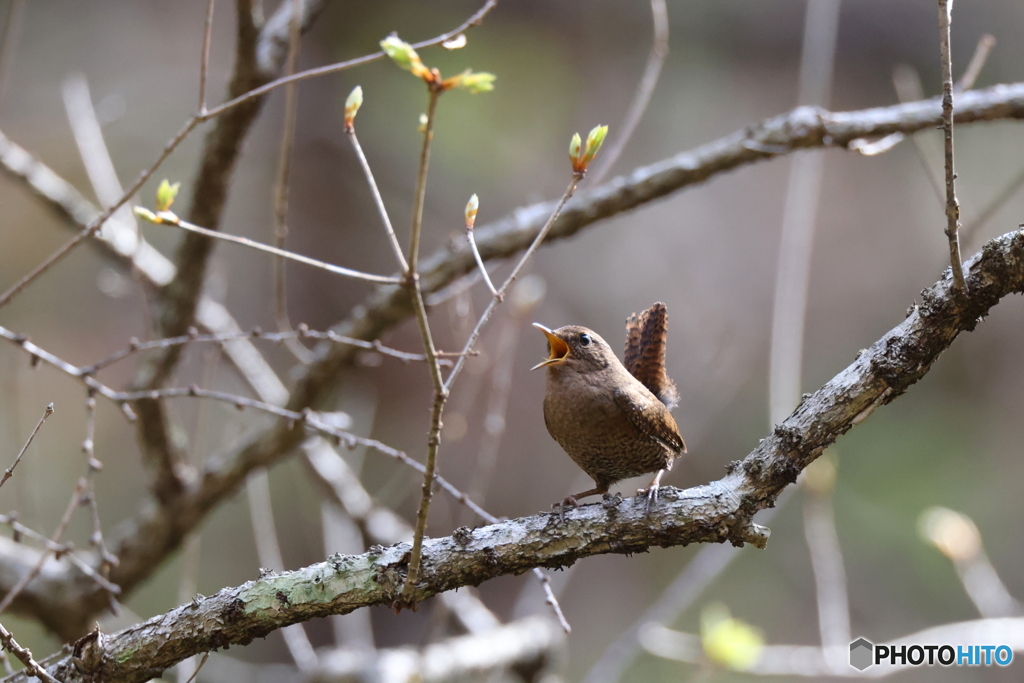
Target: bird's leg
x,y
572,500
652,490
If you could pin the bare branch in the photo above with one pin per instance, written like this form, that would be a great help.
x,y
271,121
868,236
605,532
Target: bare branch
x,y
149,537
377,199
9,472
440,390
345,582
282,183
642,97
204,59
500,294
302,332
479,260
952,205
15,591
977,63
164,218
24,655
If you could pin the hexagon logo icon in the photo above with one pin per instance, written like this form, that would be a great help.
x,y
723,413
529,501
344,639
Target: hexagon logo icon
x,y
861,651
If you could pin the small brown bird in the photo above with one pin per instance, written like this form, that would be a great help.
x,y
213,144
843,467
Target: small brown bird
x,y
613,419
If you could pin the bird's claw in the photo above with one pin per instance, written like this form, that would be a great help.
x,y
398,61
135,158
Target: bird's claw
x,y
568,500
651,494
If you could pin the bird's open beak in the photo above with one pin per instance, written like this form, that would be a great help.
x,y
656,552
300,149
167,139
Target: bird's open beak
x,y
558,349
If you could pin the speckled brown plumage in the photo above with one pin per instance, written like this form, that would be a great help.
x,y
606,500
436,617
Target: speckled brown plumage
x,y
611,424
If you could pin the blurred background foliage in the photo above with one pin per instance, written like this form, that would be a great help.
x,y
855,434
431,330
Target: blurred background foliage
x,y
709,252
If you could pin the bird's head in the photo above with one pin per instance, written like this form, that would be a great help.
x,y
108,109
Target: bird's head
x,y
575,347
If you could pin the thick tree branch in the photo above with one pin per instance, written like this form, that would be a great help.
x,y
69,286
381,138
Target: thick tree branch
x,y
348,582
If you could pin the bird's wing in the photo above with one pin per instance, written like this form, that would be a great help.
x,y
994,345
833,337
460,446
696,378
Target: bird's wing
x,y
651,417
650,332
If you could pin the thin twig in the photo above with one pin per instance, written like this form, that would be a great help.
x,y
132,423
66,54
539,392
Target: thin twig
x,y
202,661
166,218
8,669
24,655
92,467
479,260
188,576
497,298
301,332
281,185
204,59
908,88
76,499
420,193
125,397
9,472
375,191
952,205
306,417
642,97
550,599
440,391
977,63
20,529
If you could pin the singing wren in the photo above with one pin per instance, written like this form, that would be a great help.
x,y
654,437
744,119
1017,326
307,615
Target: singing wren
x,y
612,418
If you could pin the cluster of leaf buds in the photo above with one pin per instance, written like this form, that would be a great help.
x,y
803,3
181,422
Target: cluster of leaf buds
x,y
403,54
581,155
165,195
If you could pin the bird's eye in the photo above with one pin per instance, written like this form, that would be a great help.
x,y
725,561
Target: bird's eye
x,y
585,339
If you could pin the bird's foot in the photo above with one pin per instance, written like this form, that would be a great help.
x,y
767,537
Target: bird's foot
x,y
652,490
651,494
568,500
